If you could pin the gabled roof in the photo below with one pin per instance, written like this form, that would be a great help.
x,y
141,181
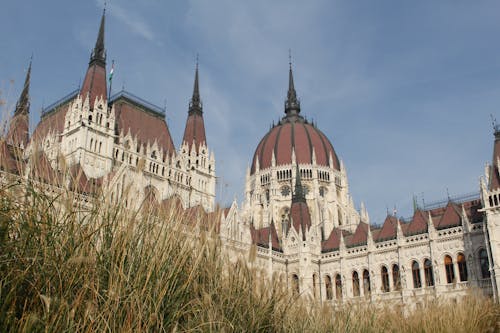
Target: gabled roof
x,y
388,230
260,237
301,218
41,169
332,243
8,160
80,183
451,217
360,236
146,126
418,224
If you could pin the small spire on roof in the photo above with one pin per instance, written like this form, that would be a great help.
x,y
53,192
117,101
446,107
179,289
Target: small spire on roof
x,y
99,53
22,105
292,104
195,105
299,195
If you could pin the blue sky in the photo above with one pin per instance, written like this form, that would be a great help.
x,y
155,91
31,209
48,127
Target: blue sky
x,y
404,90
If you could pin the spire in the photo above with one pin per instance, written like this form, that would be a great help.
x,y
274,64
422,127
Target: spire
x,y
194,133
299,195
292,104
495,171
94,84
99,53
195,105
23,103
18,134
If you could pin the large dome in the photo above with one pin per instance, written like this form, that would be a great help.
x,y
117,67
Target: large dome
x,y
294,132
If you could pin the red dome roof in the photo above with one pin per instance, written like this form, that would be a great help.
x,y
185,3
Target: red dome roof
x,y
294,133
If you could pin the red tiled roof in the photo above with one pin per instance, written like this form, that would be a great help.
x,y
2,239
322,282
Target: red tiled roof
x,y
19,130
298,135
332,242
301,218
52,121
450,218
418,224
194,131
146,126
260,237
80,183
360,235
41,169
8,161
94,83
388,230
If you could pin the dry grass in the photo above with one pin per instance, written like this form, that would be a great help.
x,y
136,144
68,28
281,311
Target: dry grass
x,y
64,267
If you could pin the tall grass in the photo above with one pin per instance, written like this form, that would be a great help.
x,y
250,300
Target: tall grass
x,y
98,267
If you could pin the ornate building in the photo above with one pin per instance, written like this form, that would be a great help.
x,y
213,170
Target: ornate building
x,y
121,142
298,216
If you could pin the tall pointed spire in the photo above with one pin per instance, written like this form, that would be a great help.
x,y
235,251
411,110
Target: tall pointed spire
x,y
18,134
292,104
99,53
23,103
298,195
195,105
94,84
194,133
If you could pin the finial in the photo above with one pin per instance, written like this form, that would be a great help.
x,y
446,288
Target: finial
x,y
290,58
448,194
197,58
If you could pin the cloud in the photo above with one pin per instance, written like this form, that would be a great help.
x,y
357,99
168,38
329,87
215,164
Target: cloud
x,y
132,20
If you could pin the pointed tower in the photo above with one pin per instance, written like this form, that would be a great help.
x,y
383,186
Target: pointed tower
x,y
299,211
94,84
292,103
194,149
18,134
194,133
491,206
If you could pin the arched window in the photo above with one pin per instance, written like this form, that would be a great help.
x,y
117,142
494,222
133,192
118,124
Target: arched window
x,y
366,282
396,277
385,279
415,270
448,266
328,287
484,263
462,267
338,286
91,143
429,275
295,284
355,283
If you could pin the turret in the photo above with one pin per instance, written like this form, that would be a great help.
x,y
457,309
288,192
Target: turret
x,y
194,133
18,134
94,84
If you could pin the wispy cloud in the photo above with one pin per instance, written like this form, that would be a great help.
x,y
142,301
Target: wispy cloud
x,y
132,20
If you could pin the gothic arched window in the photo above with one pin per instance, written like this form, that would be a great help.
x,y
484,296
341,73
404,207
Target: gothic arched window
x,y
429,275
415,270
338,286
355,284
462,267
328,287
450,272
396,277
484,263
385,279
366,282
